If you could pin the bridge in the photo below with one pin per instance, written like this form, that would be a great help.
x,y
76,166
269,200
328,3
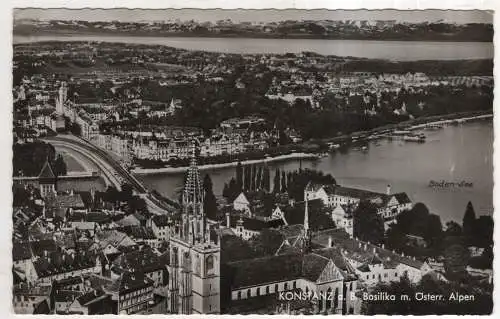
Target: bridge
x,y
111,170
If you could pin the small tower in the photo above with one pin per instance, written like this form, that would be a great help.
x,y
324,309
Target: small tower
x,y
47,180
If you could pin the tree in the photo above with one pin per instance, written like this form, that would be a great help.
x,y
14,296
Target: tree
x,y
266,179
60,168
484,231
267,242
239,176
126,193
209,201
258,179
253,181
225,191
248,175
481,305
469,223
234,248
368,225
276,182
283,181
137,204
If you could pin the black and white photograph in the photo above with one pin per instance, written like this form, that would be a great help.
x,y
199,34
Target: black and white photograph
x,y
241,161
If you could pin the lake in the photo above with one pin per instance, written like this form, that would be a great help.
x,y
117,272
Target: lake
x,y
452,154
392,50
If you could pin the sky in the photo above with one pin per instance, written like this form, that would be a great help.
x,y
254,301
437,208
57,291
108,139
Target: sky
x,y
135,15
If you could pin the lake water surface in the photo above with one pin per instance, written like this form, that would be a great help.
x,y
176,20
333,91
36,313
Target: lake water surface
x,y
392,50
453,154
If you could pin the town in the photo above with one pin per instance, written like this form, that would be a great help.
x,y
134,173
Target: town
x,y
139,102
96,240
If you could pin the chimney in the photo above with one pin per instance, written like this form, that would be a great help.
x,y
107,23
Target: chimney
x,y
383,246
71,193
228,220
365,246
388,191
374,250
330,241
45,253
402,254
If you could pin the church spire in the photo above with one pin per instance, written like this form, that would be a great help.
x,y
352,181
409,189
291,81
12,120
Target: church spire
x,y
194,222
306,214
306,236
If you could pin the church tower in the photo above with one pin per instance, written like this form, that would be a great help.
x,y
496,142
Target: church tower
x,y
194,281
47,180
61,99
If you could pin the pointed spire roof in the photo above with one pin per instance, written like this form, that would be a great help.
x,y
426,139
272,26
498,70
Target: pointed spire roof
x,y
193,190
306,214
47,173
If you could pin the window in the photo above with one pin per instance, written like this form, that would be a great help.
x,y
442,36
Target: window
x,y
294,285
286,286
267,290
209,264
258,291
239,295
395,274
276,288
249,293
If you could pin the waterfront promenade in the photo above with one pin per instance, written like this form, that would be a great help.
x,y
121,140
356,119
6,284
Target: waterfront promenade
x,y
111,171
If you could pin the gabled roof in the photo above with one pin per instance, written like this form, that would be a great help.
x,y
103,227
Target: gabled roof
x,y
241,199
21,251
47,174
312,266
402,198
161,220
90,297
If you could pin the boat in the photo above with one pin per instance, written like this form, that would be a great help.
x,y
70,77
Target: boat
x,y
414,138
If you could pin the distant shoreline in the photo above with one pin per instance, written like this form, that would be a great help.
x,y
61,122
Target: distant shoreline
x,y
444,119
354,37
174,170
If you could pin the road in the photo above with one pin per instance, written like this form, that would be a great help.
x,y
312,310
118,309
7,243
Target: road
x,y
112,171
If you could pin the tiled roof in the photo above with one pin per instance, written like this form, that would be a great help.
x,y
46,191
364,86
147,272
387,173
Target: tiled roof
x,y
270,269
38,247
91,296
129,282
161,220
402,198
66,295
21,251
312,266
47,174
256,224
355,193
363,252
292,230
139,232
144,260
58,262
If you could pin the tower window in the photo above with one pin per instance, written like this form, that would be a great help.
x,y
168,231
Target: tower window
x,y
209,265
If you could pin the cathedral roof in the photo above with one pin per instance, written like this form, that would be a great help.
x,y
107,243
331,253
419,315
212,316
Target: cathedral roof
x,y
247,273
